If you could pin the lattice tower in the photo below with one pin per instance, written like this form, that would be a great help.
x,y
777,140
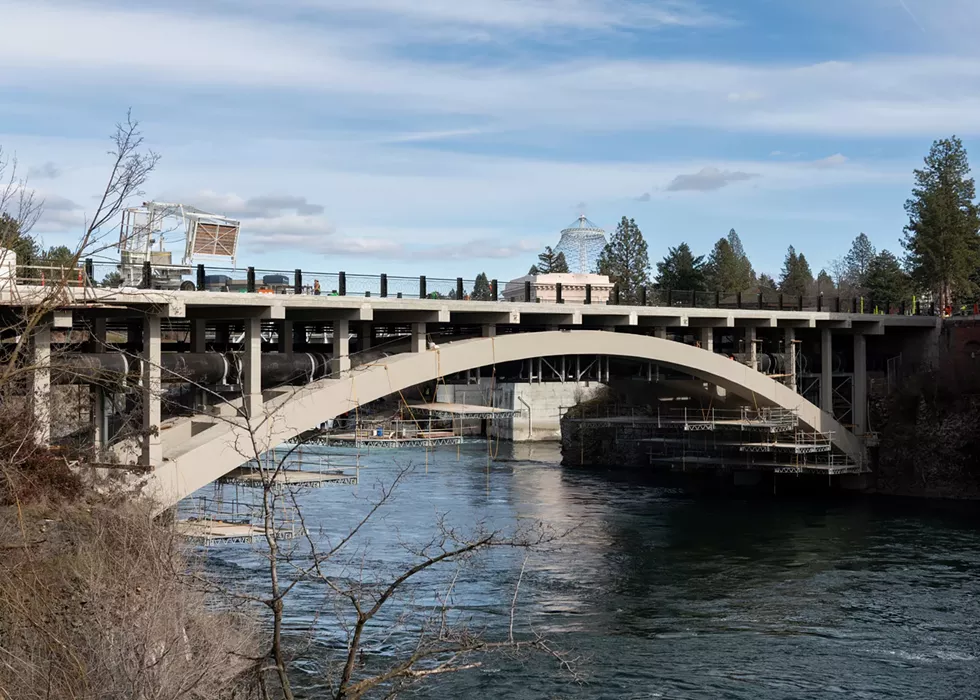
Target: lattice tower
x,y
582,243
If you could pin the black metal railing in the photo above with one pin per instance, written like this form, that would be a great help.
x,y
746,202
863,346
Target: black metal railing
x,y
208,278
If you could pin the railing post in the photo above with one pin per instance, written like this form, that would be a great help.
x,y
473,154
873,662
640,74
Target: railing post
x,y
527,290
738,300
89,272
837,304
558,299
762,300
384,285
780,302
147,275
250,279
616,295
459,288
588,293
901,309
854,305
342,283
494,295
297,281
200,278
643,295
820,302
670,298
422,291
801,302
717,300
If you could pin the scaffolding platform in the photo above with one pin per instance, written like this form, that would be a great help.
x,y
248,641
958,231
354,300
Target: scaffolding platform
x,y
208,521
460,410
365,439
301,471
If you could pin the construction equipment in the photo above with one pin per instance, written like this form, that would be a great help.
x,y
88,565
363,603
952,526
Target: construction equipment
x,y
141,240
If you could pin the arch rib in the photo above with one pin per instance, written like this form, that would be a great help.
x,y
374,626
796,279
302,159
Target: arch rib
x,y
206,457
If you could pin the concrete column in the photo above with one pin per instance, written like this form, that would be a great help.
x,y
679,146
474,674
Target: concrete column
x,y
750,347
41,383
418,337
252,368
198,335
660,332
152,388
99,416
222,336
578,368
826,371
97,339
708,339
489,330
284,337
340,361
860,407
790,342
365,335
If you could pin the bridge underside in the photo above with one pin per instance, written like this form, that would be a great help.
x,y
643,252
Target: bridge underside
x,y
196,451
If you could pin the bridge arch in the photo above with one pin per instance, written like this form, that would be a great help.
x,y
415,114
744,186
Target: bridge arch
x,y
200,459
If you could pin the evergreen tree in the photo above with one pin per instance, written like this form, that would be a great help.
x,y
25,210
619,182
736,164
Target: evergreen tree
x,y
625,260
766,283
858,259
481,288
728,268
797,278
58,256
11,238
112,280
941,242
681,270
550,262
825,283
886,282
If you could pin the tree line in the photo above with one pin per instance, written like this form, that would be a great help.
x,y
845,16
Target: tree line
x,y
941,245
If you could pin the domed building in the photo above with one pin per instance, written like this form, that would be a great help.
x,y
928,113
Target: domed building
x,y
582,243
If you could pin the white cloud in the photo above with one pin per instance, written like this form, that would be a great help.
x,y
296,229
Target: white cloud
x,y
708,179
44,171
831,161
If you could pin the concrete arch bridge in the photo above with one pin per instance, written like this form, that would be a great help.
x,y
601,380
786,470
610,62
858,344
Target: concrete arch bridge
x,y
196,452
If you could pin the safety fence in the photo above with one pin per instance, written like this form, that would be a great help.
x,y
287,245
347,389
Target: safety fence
x,y
208,278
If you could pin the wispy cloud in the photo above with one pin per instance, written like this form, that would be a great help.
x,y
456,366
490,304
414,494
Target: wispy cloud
x,y
44,171
708,179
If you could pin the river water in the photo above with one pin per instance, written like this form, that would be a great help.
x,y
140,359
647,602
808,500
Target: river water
x,y
657,595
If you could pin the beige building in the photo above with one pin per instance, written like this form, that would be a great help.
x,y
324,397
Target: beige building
x,y
544,288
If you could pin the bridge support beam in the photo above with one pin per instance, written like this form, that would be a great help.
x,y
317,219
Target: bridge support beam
x,y
708,339
198,335
826,371
860,407
418,337
488,330
365,335
790,343
252,368
152,454
284,337
41,383
660,332
751,348
340,361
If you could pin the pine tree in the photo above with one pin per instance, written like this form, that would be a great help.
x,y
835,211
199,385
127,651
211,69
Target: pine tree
x,y
481,288
681,270
825,284
766,283
728,269
886,282
858,259
796,279
549,262
941,241
625,260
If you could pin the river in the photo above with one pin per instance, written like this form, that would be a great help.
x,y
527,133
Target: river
x,y
661,596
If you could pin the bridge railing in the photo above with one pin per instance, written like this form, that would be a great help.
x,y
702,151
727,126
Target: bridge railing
x,y
214,278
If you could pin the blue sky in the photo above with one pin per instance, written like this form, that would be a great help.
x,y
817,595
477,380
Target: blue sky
x,y
447,137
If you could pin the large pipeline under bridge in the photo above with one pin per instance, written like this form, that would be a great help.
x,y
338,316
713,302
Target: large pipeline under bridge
x,y
204,368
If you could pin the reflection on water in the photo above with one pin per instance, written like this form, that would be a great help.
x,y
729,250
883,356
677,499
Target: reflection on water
x,y
678,598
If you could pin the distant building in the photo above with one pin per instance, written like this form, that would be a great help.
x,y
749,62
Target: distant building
x,y
572,288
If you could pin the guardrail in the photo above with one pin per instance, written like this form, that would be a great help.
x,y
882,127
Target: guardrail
x,y
316,282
